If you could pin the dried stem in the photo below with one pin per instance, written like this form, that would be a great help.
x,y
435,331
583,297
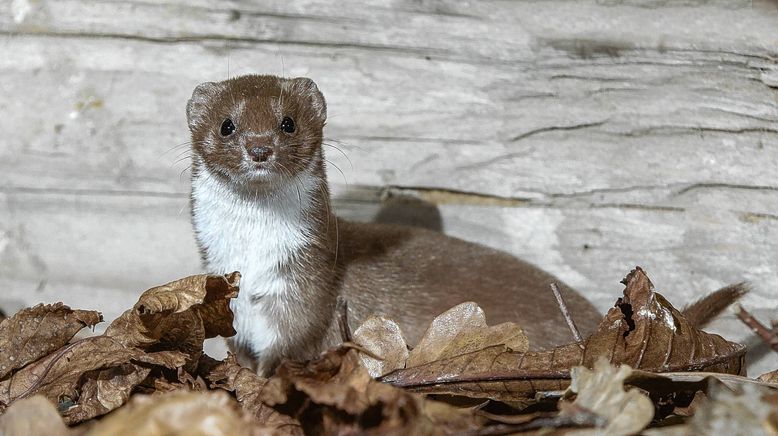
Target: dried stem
x,y
767,335
39,380
566,315
342,308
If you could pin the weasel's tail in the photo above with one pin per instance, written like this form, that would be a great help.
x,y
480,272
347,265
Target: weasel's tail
x,y
704,310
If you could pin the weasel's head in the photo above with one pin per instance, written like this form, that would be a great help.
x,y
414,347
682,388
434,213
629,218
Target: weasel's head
x,y
257,129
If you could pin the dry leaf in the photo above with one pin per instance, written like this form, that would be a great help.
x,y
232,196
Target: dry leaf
x,y
177,413
769,377
602,391
105,390
37,331
254,393
678,393
643,330
179,315
340,397
32,416
729,413
382,337
61,373
461,330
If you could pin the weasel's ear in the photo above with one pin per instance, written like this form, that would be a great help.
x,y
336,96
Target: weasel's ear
x,y
201,101
308,90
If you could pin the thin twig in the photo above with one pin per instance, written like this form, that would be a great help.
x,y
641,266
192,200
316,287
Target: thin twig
x,y
566,315
54,360
342,308
757,327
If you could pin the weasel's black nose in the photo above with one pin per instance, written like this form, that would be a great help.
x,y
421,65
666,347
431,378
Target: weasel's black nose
x,y
260,154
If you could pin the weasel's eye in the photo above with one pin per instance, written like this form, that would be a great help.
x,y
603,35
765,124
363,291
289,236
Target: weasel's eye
x,y
227,127
287,125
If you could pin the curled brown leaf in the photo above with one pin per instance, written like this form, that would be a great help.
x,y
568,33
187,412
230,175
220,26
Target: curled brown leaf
x,y
179,315
335,394
104,391
255,394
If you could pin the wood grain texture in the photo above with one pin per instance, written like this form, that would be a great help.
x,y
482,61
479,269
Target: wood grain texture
x,y
586,137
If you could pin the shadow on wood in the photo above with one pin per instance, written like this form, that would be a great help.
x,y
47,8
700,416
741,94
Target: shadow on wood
x,y
409,211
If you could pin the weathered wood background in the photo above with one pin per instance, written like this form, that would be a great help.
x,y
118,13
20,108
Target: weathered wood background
x,y
584,136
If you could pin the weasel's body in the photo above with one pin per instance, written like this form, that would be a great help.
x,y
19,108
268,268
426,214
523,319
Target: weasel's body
x,y
260,205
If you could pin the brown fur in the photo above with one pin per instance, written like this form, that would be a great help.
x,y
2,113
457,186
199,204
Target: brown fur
x,y
407,273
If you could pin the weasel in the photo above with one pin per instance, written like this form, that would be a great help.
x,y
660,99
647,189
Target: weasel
x,y
261,205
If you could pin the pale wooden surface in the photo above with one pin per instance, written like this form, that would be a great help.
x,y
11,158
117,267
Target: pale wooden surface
x,y
586,137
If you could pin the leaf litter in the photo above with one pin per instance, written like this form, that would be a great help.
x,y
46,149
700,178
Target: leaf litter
x,y
647,368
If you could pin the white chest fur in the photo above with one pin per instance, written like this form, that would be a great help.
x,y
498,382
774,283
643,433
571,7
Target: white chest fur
x,y
257,237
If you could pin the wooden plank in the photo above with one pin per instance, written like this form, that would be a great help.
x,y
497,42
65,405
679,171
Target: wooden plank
x,y
116,117
420,91
491,30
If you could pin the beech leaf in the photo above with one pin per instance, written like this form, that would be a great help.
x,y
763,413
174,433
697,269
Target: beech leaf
x,y
104,391
254,393
179,315
461,330
382,337
60,373
37,331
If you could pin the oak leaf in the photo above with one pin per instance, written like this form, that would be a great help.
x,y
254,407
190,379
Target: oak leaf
x,y
602,391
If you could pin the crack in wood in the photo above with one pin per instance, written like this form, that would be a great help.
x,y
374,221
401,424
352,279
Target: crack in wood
x,y
418,51
697,186
577,126
443,196
673,130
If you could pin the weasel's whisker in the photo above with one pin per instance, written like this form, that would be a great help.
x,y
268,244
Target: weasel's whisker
x,y
181,159
175,147
181,174
339,170
341,152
